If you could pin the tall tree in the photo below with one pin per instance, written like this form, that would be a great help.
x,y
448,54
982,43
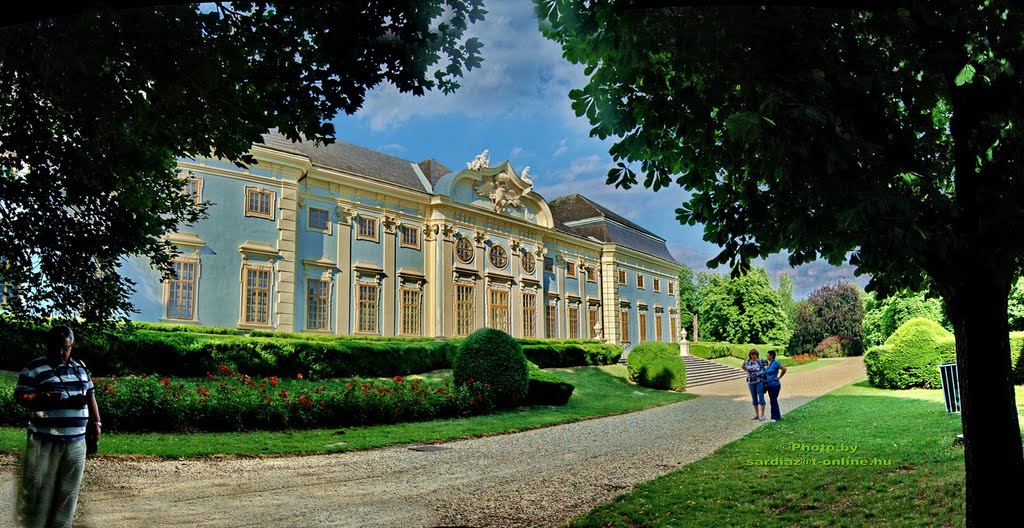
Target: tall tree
x,y
688,299
786,295
742,309
96,107
892,135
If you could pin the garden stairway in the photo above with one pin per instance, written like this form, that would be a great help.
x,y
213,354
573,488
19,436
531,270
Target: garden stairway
x,y
703,372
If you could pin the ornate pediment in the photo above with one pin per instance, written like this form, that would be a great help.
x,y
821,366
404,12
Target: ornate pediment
x,y
504,189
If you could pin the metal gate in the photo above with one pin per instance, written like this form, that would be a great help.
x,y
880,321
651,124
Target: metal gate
x,y
950,386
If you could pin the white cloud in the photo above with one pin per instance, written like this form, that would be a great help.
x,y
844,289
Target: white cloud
x,y
515,152
393,148
562,148
522,74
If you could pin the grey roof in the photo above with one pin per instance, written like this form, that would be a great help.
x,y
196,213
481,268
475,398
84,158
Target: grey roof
x,y
433,170
607,226
347,157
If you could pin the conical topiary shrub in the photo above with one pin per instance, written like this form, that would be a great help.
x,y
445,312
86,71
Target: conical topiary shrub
x,y
495,358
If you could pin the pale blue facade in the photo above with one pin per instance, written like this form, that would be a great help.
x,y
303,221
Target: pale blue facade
x,y
344,240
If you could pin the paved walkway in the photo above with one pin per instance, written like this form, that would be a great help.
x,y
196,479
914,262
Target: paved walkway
x,y
537,478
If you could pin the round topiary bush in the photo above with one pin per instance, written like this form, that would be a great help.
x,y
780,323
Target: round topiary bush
x,y
495,358
657,365
911,356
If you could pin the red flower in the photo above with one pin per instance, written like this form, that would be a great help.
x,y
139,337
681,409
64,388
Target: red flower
x,y
211,376
225,369
165,381
299,375
398,379
273,381
284,394
202,391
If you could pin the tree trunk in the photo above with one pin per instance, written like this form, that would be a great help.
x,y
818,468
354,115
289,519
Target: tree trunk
x,y
992,442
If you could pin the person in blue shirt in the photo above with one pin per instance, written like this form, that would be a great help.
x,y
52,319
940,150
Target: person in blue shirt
x,y
772,375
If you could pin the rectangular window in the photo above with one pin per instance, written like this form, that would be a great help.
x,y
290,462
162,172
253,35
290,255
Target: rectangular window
x,y
318,218
464,309
257,296
642,323
367,312
317,304
181,291
657,285
411,313
674,324
194,189
624,325
639,281
499,310
592,315
367,229
671,288
551,320
570,269
592,274
658,332
574,322
622,276
529,314
410,237
259,202
549,264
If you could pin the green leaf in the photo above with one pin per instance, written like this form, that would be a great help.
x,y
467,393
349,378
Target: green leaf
x,y
965,76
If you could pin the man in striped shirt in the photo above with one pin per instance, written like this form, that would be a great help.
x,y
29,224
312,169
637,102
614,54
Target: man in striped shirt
x,y
59,392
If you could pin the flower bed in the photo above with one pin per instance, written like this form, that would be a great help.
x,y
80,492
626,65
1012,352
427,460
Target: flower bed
x,y
230,401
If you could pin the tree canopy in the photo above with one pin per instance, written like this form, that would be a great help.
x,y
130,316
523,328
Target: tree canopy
x,y
96,107
831,310
890,137
743,309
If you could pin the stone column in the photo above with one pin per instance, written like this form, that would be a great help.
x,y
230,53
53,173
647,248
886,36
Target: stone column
x,y
344,297
390,283
286,268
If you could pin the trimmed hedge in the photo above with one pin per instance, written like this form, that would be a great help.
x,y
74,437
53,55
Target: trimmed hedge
x,y
496,359
1017,357
546,388
191,351
192,329
710,350
911,356
559,355
657,365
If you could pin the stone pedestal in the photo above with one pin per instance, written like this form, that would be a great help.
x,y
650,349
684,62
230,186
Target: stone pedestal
x,y
684,345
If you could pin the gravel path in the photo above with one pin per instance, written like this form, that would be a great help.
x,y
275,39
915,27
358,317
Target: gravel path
x,y
537,478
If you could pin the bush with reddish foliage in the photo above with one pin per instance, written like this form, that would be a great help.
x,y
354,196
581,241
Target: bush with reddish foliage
x,y
836,346
830,310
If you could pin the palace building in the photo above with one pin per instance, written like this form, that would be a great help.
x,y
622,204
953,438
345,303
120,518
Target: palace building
x,y
341,239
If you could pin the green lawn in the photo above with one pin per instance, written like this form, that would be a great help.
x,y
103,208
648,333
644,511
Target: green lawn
x,y
914,475
599,391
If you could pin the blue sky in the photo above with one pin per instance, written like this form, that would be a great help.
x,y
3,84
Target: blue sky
x,y
517,106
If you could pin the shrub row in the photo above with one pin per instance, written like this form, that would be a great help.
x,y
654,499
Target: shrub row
x,y
187,353
192,329
568,354
657,365
229,401
710,350
547,388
